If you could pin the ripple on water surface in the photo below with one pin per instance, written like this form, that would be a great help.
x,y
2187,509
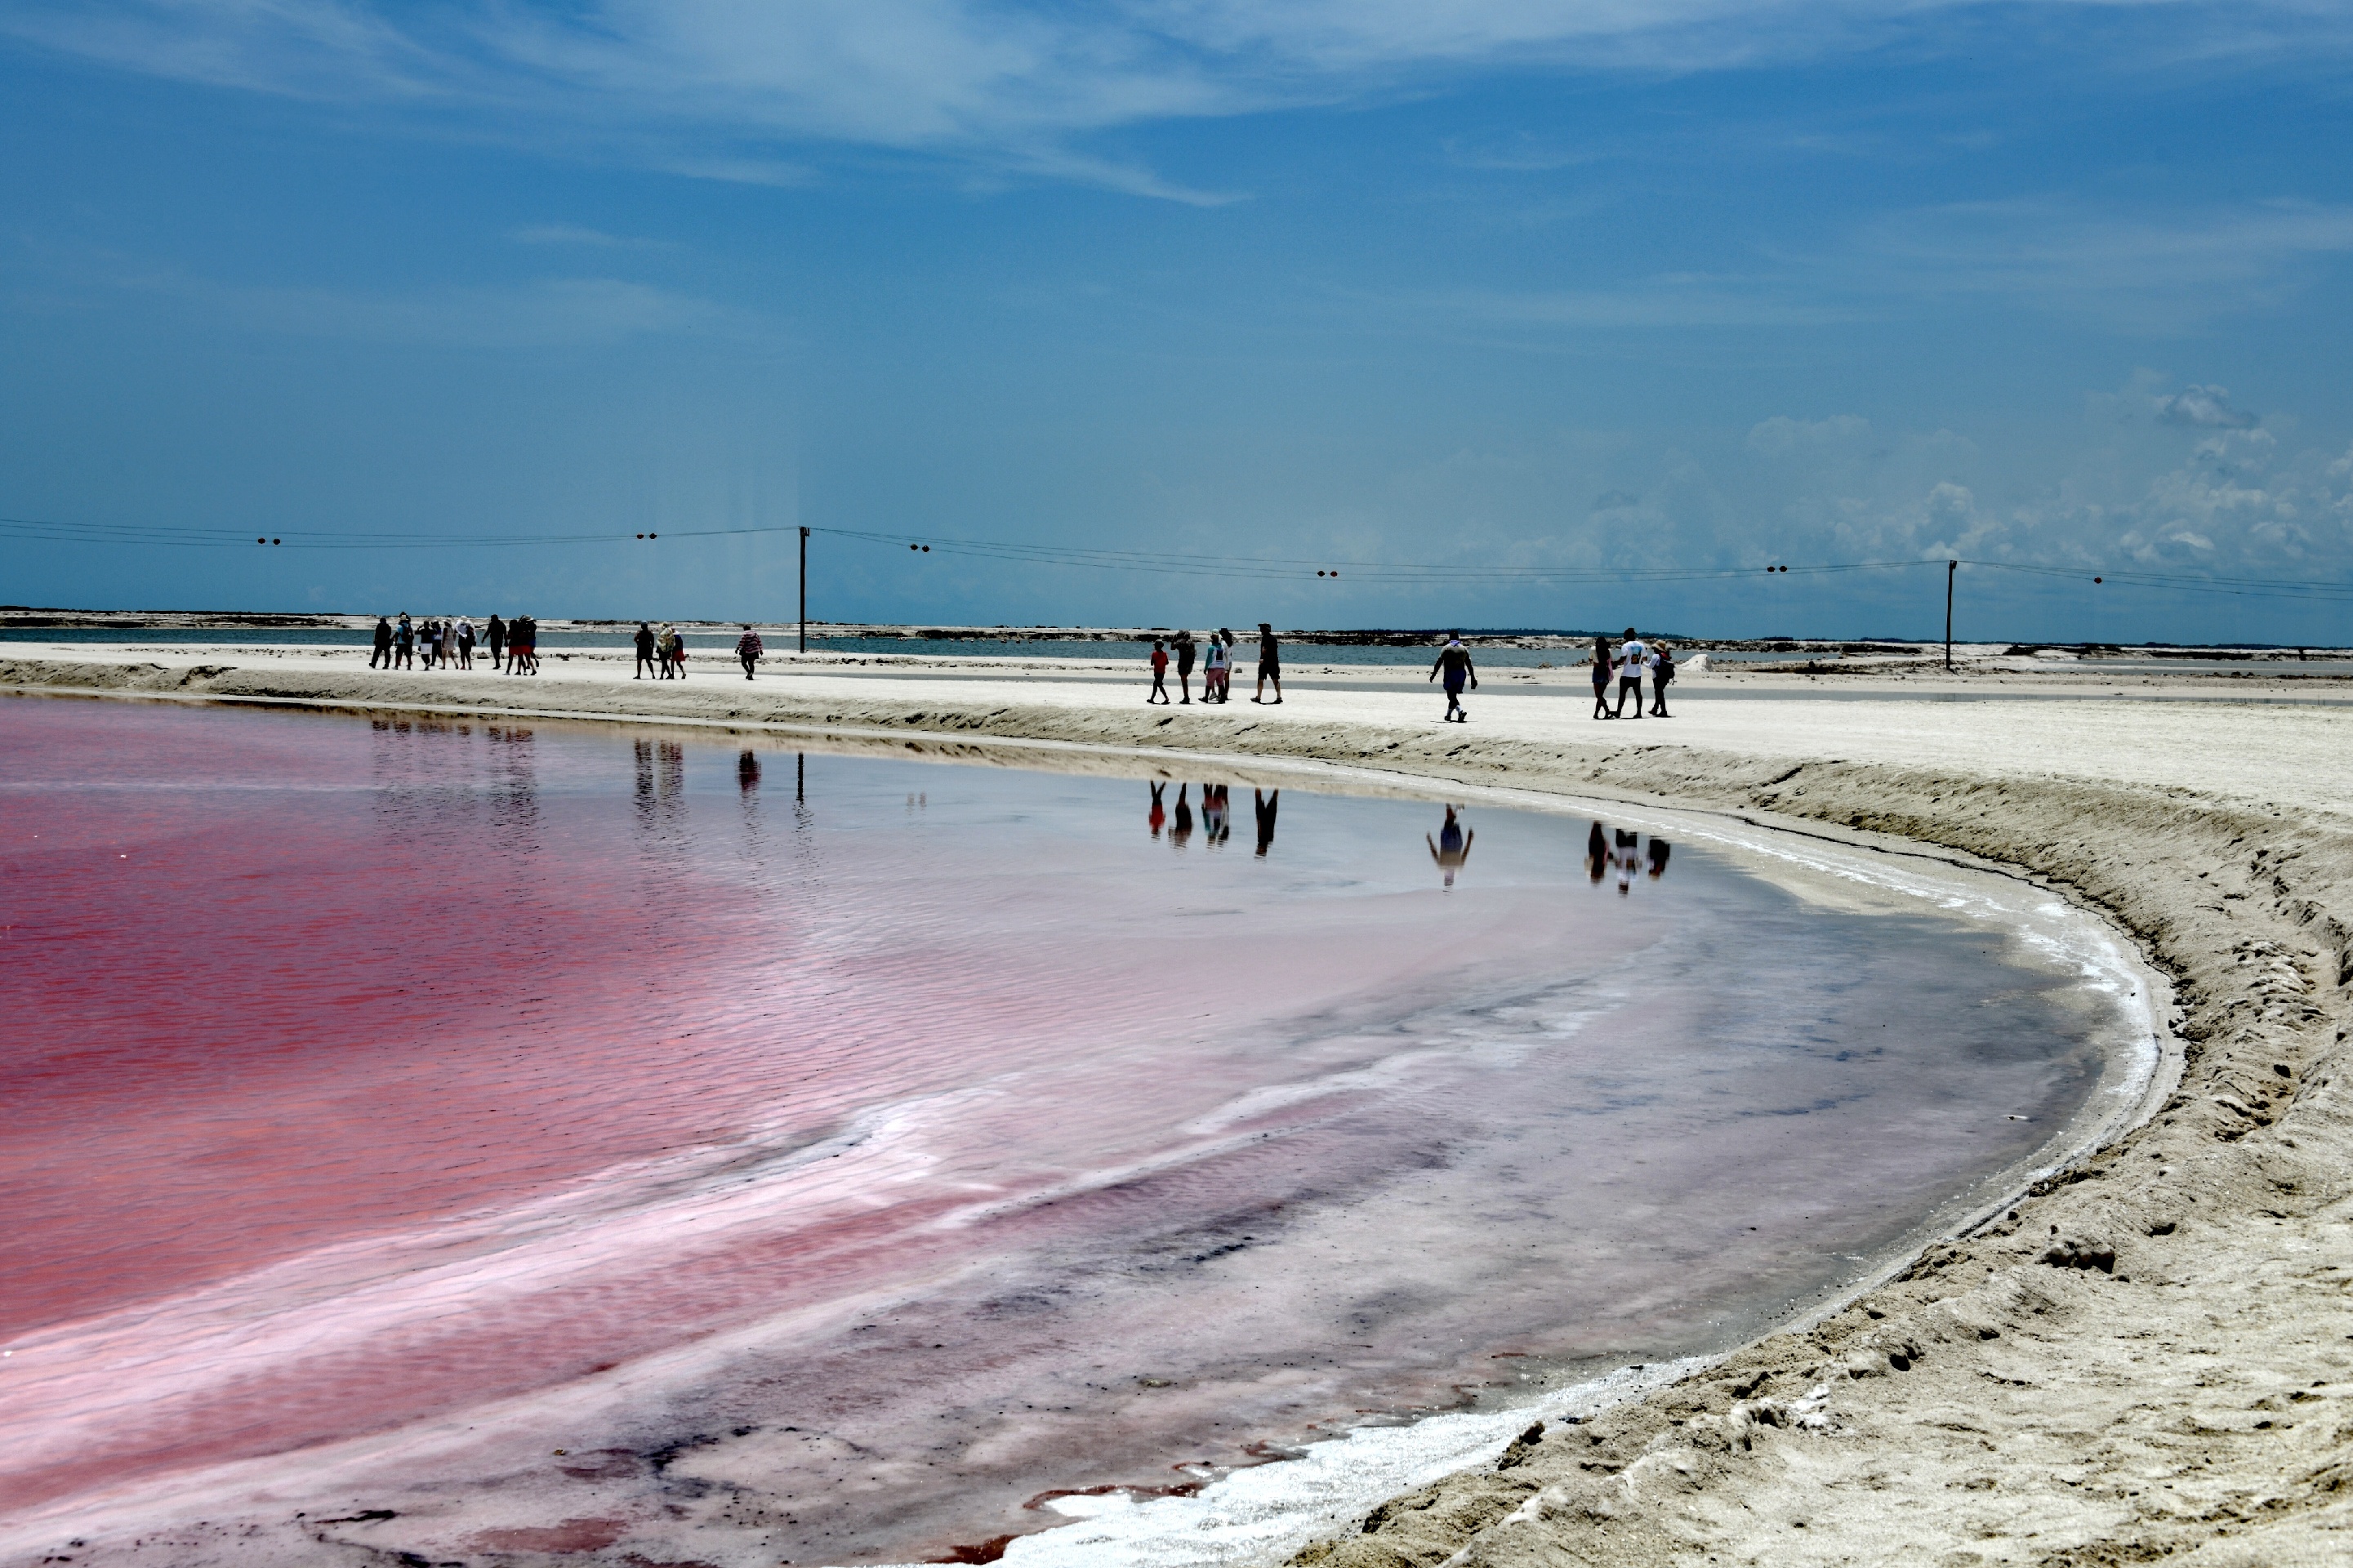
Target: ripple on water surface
x,y
832,1169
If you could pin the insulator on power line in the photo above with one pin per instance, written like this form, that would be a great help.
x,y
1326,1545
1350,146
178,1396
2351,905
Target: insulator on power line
x,y
261,541
927,550
2098,579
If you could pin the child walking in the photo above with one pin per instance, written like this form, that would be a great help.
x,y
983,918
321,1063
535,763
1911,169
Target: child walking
x,y
1159,691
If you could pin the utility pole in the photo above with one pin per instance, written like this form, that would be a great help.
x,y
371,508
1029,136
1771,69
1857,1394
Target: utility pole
x,y
1950,567
805,598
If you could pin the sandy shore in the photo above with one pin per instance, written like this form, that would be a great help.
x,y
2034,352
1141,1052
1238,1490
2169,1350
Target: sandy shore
x,y
2146,1358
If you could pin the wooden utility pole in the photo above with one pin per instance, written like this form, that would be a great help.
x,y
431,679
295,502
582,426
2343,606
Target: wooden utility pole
x,y
1950,567
805,598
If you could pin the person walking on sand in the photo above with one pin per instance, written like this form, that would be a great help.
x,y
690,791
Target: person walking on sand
x,y
496,636
1159,675
645,640
403,643
1630,654
1270,664
1451,847
1602,660
465,643
1185,651
1220,665
676,646
1455,660
522,646
1662,670
382,650
748,648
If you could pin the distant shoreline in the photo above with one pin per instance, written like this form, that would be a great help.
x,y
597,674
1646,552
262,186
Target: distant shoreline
x,y
20,622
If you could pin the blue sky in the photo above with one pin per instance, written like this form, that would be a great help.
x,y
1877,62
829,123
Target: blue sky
x,y
1645,283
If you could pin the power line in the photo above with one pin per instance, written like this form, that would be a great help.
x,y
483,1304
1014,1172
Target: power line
x,y
1163,563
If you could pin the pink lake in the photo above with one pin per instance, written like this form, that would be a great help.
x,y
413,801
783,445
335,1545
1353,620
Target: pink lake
x,y
583,1144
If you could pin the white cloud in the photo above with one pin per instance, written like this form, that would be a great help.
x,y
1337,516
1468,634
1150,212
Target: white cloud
x,y
1007,84
1782,435
2204,405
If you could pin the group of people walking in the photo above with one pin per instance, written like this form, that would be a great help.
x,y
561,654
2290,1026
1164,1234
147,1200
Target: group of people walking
x,y
1634,661
663,652
1217,666
1631,663
513,646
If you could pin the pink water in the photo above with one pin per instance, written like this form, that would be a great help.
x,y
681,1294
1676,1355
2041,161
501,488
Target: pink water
x,y
391,1106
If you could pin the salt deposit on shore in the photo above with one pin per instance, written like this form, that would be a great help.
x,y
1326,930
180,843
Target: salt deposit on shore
x,y
2144,1358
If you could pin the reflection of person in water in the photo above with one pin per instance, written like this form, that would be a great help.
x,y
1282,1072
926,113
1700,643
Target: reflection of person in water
x,y
1629,857
1452,847
1214,806
1179,835
1659,850
1597,854
1265,806
1159,813
747,772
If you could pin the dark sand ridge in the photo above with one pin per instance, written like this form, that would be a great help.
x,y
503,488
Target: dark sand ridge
x,y
2149,1361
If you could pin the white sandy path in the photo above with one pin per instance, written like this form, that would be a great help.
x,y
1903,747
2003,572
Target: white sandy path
x,y
2256,742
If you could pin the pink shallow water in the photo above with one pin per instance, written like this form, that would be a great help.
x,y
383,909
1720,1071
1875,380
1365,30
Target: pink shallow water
x,y
841,1174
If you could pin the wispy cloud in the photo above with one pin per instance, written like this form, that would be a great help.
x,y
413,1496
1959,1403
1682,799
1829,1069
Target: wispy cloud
x,y
2156,273
555,312
1008,84
575,234
1666,301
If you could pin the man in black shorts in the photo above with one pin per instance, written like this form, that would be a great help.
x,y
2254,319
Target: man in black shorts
x,y
1185,651
1269,663
1631,656
1455,660
645,642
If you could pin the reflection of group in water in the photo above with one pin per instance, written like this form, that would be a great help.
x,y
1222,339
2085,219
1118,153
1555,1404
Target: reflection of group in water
x,y
1217,808
1622,853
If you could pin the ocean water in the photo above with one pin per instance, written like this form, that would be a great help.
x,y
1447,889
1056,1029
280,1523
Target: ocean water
x,y
634,1147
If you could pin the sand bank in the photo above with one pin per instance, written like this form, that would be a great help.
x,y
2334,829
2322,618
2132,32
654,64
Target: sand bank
x,y
2144,1358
